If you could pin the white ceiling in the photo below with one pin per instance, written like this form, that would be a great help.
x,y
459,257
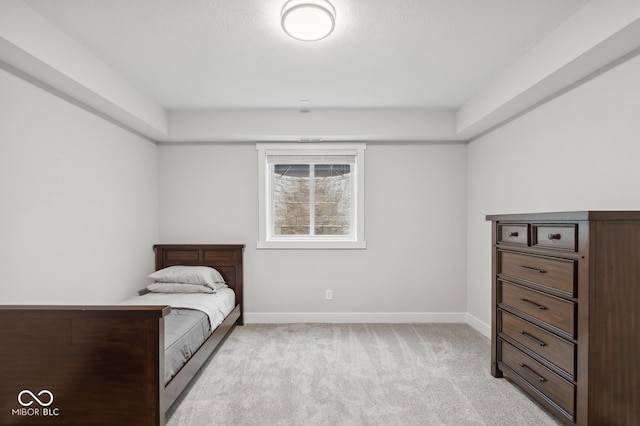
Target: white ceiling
x,y
187,54
393,70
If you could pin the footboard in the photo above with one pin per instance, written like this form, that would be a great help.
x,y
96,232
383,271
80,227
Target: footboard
x,y
81,365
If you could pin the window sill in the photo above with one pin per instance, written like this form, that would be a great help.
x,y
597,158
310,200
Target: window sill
x,y
312,245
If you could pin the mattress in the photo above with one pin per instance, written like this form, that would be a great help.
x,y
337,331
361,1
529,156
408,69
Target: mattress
x,y
193,317
185,330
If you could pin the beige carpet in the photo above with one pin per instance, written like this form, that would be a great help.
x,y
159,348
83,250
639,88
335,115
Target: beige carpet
x,y
354,374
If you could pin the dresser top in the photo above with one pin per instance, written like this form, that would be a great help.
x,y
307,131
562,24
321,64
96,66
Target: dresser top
x,y
568,216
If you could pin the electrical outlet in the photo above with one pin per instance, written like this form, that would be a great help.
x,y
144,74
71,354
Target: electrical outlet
x,y
328,295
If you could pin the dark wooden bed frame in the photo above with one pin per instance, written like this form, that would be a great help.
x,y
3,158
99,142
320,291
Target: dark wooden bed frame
x,y
103,365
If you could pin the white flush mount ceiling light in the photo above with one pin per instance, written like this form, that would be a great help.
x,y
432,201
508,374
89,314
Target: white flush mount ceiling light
x,y
308,20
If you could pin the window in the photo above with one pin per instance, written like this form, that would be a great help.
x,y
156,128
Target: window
x,y
311,195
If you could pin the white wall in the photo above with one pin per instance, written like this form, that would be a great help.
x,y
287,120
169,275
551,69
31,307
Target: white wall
x,y
78,202
80,205
414,264
580,151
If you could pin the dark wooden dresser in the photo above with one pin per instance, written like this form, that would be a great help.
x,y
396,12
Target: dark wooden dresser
x,y
565,314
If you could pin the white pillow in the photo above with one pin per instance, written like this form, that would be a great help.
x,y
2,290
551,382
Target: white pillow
x,y
199,275
179,288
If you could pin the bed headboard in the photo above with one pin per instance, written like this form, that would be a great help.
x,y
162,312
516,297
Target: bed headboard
x,y
226,258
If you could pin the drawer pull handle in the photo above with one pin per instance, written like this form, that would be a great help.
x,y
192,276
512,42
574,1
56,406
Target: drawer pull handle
x,y
540,342
540,271
534,304
513,234
554,236
526,367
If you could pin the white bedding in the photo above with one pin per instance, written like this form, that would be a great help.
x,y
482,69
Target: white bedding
x,y
216,305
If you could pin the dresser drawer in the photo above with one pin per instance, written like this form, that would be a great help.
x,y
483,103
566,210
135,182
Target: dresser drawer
x,y
513,234
562,237
549,383
547,271
549,346
554,311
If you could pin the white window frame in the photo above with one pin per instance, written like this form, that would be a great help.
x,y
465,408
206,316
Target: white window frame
x,y
268,241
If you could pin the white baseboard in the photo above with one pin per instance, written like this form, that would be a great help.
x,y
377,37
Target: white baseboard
x,y
368,317
360,317
478,325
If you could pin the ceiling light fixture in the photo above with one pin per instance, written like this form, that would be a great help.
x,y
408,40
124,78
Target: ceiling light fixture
x,y
308,20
